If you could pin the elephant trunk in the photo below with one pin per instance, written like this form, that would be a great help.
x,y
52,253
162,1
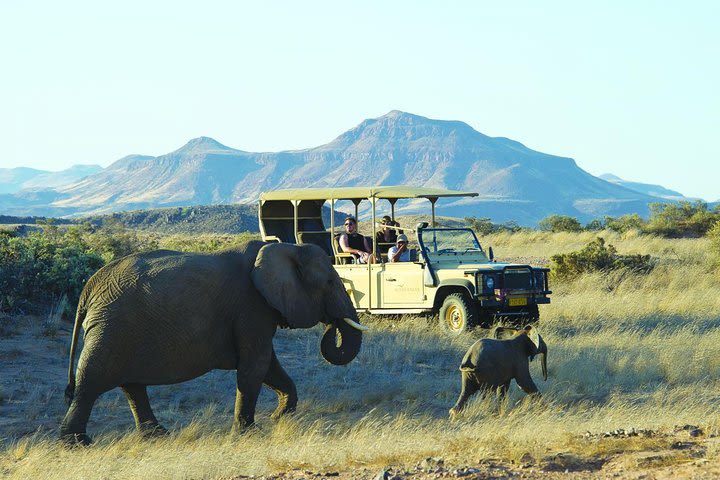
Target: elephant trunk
x,y
341,341
543,362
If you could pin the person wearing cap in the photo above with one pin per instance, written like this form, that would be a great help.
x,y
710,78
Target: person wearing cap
x,y
399,252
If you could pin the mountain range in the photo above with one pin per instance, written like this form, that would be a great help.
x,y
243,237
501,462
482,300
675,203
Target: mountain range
x,y
514,182
13,180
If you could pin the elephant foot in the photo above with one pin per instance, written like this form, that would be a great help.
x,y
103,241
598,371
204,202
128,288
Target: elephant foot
x,y
153,430
240,428
75,440
282,410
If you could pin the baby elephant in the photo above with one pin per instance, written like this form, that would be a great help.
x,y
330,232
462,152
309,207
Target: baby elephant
x,y
491,363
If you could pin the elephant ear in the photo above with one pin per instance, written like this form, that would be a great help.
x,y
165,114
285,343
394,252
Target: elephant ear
x,y
535,340
537,347
503,333
285,277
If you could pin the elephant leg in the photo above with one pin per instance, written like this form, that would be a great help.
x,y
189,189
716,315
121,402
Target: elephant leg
x,y
74,425
278,379
251,372
504,389
468,387
145,420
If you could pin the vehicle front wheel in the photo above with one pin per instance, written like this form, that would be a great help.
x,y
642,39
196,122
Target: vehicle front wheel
x,y
457,314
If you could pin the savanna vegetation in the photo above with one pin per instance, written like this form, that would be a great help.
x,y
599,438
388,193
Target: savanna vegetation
x,y
633,334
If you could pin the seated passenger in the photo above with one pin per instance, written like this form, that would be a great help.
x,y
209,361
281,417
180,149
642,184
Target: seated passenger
x,y
386,237
400,252
352,242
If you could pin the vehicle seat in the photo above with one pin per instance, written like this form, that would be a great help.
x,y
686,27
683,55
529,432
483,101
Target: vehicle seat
x,y
321,239
341,258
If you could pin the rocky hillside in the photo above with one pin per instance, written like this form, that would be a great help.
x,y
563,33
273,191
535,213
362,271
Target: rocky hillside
x,y
514,182
15,179
646,188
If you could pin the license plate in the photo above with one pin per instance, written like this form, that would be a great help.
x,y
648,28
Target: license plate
x,y
517,302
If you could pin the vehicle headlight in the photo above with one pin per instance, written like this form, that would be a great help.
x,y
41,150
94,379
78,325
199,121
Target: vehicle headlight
x,y
489,283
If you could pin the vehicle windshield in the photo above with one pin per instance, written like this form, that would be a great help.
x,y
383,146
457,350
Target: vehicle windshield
x,y
449,240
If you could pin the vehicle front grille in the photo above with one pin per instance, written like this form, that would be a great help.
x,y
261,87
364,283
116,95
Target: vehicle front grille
x,y
517,278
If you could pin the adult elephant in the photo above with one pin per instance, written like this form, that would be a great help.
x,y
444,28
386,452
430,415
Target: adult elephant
x,y
164,317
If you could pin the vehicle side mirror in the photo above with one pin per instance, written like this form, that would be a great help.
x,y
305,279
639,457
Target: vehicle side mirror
x,y
491,254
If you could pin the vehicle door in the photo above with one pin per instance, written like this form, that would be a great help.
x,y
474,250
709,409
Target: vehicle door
x,y
402,285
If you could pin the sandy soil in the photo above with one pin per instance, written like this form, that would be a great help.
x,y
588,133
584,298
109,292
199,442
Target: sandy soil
x,y
33,359
686,458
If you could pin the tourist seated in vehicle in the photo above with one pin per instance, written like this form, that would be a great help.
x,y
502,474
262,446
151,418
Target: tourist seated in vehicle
x,y
399,252
352,242
386,237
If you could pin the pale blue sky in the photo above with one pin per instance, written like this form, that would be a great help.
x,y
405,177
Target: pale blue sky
x,y
629,88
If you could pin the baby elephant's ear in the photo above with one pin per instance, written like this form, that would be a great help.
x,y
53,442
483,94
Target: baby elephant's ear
x,y
534,337
502,333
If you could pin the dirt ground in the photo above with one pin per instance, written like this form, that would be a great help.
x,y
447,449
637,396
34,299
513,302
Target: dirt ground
x,y
685,458
34,361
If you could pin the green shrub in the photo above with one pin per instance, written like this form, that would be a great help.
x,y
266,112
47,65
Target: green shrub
x,y
594,257
43,266
625,223
560,223
682,219
117,242
484,226
714,235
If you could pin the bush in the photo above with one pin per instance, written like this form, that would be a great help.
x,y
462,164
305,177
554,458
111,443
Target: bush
x,y
117,242
625,223
44,266
560,223
483,226
714,235
683,219
594,257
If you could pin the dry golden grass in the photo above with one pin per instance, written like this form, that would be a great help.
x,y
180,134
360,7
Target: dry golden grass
x,y
624,351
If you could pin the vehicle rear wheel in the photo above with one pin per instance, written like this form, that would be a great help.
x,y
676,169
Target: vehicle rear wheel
x,y
457,314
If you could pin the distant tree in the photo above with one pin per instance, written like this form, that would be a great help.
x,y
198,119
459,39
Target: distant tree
x,y
560,223
682,219
595,225
482,226
625,223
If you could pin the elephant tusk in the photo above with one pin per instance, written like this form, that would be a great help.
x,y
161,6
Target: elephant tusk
x,y
356,325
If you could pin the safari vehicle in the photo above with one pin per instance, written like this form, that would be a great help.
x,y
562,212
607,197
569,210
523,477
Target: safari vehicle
x,y
449,274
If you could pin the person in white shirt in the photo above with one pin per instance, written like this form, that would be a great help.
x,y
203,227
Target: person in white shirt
x,y
399,252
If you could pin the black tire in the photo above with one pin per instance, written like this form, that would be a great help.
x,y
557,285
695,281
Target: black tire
x,y
457,314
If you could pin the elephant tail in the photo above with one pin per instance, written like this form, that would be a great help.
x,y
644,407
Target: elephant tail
x,y
79,317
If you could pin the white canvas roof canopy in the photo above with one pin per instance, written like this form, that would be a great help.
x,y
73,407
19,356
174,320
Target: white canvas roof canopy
x,y
358,194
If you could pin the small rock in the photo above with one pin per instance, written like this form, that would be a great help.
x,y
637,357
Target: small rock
x,y
383,475
680,445
696,432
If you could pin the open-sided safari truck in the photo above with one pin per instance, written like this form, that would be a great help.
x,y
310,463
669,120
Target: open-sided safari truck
x,y
449,274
